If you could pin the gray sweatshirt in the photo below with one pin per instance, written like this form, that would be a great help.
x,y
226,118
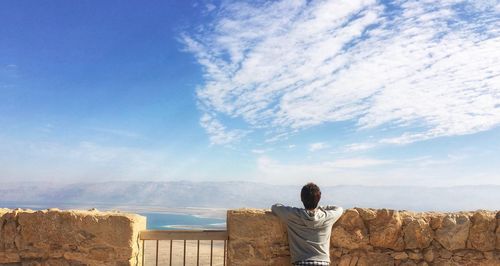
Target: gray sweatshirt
x,y
308,233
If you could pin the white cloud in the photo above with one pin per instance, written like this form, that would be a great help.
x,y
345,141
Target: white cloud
x,y
317,146
116,132
219,134
357,163
355,147
429,68
260,151
209,7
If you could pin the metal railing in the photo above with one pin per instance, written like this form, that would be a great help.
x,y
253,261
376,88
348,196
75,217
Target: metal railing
x,y
171,237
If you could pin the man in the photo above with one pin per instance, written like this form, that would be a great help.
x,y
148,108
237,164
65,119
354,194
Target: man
x,y
309,229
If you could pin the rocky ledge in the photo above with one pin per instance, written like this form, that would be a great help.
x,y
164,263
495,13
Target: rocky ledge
x,y
55,237
375,237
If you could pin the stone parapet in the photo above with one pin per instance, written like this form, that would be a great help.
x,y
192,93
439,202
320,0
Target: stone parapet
x,y
374,237
55,237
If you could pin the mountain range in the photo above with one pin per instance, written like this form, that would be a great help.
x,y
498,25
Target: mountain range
x,y
179,194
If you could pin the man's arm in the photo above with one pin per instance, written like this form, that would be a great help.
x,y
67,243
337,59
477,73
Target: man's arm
x,y
334,211
281,211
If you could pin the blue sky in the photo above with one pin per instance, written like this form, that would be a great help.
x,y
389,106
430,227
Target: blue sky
x,y
337,92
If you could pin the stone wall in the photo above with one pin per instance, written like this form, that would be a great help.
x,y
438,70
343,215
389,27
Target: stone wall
x,y
374,237
55,237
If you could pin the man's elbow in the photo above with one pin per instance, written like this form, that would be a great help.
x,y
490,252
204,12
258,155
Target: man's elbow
x,y
275,207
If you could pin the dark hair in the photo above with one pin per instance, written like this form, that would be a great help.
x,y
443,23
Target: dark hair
x,y
310,196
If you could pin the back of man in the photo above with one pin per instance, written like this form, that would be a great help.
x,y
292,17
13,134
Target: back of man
x,y
309,229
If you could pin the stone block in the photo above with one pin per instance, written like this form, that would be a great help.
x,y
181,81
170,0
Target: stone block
x,y
429,255
367,214
400,255
482,232
417,233
350,231
55,237
453,231
386,230
255,235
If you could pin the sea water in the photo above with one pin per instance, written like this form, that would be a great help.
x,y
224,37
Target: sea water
x,y
181,221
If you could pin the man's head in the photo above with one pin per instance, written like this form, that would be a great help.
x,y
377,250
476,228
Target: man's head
x,y
310,196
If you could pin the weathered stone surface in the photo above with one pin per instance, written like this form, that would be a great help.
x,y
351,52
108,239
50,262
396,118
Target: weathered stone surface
x,y
374,258
257,236
436,220
386,230
415,255
498,231
447,262
364,258
454,231
492,257
429,255
445,254
400,255
367,214
9,257
350,231
408,263
482,232
54,237
348,260
8,231
417,233
469,254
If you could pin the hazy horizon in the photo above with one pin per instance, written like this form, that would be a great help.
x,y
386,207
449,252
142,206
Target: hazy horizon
x,y
358,92
183,195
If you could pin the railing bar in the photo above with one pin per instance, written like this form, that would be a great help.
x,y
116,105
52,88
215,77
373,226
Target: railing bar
x,y
143,247
170,257
157,252
184,259
224,262
181,235
198,254
211,251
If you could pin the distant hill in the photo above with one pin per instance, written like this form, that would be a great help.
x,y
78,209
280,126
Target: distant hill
x,y
246,194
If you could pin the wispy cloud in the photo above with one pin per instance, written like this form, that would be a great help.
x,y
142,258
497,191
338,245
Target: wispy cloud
x,y
357,163
260,151
219,134
317,146
355,147
429,68
116,132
